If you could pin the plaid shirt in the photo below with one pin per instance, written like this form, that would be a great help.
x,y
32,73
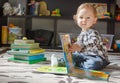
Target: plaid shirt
x,y
91,43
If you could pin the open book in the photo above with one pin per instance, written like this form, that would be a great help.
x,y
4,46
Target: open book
x,y
70,70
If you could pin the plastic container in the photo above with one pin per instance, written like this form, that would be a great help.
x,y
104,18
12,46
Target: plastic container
x,y
118,44
107,40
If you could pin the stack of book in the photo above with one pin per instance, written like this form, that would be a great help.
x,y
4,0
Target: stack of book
x,y
26,51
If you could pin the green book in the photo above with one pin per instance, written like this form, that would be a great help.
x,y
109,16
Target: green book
x,y
33,51
25,46
26,61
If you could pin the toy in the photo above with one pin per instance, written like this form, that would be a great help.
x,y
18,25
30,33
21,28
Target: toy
x,y
7,9
54,61
24,38
20,10
56,12
43,9
36,8
118,17
32,7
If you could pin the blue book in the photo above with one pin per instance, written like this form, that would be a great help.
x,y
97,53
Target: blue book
x,y
26,61
24,57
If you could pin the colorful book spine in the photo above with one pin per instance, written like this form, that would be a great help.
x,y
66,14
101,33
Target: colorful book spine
x,y
25,46
37,57
34,51
4,34
26,61
20,41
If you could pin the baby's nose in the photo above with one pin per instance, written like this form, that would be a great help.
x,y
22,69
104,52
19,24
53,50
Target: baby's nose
x,y
84,21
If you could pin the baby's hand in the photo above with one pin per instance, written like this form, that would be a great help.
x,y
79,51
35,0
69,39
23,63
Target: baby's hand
x,y
74,47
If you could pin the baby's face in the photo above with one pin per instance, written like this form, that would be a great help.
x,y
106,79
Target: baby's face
x,y
85,18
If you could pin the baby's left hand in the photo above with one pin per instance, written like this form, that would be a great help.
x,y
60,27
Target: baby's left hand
x,y
74,47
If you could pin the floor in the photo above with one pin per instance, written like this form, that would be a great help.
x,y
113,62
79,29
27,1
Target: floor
x,y
11,72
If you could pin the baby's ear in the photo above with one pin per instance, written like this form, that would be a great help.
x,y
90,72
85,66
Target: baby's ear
x,y
95,20
74,18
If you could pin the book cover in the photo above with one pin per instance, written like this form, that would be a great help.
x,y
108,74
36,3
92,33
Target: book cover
x,y
21,41
13,34
26,61
53,70
36,51
101,9
72,70
23,57
66,41
25,46
32,51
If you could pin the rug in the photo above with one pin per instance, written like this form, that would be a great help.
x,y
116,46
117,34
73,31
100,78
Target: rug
x,y
11,72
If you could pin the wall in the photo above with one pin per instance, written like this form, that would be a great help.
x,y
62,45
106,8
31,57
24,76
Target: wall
x,y
118,2
117,25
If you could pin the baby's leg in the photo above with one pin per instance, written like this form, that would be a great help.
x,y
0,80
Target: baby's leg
x,y
93,62
78,60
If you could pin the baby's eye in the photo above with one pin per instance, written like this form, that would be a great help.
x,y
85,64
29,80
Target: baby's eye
x,y
81,17
88,17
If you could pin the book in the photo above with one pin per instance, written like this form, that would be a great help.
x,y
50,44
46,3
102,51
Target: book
x,y
23,57
32,51
25,46
26,61
74,71
36,51
53,70
29,54
101,9
4,35
13,34
21,41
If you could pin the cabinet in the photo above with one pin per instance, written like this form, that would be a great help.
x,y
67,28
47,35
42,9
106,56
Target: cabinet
x,y
62,24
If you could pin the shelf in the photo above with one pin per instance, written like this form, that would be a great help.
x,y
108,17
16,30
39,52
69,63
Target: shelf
x,y
67,9
5,45
117,20
49,17
54,17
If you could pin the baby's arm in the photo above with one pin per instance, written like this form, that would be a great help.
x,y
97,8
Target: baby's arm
x,y
74,47
92,40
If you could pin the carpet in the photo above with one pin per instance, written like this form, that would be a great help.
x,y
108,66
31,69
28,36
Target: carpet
x,y
11,72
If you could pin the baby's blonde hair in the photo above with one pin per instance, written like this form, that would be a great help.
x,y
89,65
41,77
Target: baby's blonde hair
x,y
87,6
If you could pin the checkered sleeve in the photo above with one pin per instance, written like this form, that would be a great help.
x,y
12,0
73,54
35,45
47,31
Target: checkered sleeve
x,y
88,40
